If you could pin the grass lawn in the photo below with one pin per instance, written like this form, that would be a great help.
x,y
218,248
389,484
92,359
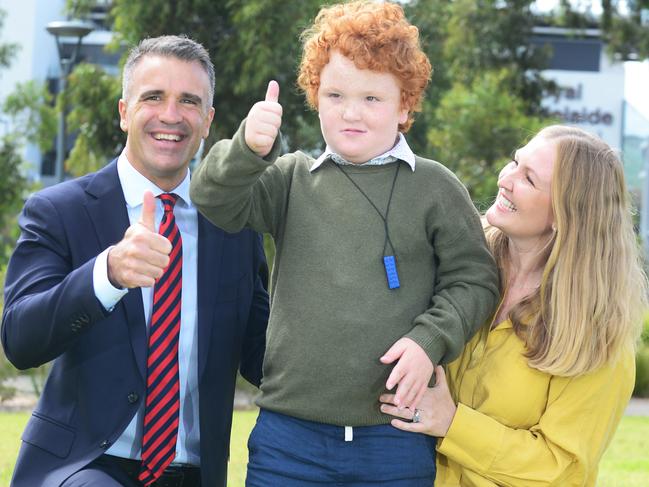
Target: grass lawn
x,y
11,426
625,464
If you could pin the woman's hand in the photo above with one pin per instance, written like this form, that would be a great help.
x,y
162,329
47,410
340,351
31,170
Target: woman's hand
x,y
436,409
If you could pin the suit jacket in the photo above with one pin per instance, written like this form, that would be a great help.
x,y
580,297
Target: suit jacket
x,y
97,380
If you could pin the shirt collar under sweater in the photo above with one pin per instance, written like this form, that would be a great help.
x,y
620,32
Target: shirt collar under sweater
x,y
401,150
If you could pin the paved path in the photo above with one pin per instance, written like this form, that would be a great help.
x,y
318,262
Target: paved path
x,y
638,407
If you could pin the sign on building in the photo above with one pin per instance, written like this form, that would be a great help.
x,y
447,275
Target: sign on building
x,y
590,100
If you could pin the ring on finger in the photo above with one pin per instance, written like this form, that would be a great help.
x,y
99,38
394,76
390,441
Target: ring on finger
x,y
416,417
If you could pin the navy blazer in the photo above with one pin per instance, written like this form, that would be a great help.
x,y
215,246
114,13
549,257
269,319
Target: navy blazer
x,y
97,380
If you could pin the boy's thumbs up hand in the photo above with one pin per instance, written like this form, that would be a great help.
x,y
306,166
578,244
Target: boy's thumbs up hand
x,y
143,254
264,121
272,92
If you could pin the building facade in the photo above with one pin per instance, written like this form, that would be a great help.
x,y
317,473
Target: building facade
x,y
38,59
591,86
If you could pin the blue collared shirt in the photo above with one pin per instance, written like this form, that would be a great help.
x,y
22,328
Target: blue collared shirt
x,y
401,150
134,184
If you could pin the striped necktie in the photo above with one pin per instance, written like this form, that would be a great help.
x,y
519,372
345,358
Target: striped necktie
x,y
162,385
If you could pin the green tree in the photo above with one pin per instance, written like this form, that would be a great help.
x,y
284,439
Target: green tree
x,y
627,34
625,25
432,18
13,184
490,35
32,113
7,50
7,371
487,87
12,190
483,124
99,136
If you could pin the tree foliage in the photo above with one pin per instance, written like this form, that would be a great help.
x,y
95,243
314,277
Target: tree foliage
x,y
474,46
490,35
99,136
432,18
486,90
33,115
13,189
13,186
250,43
483,125
627,34
624,24
7,50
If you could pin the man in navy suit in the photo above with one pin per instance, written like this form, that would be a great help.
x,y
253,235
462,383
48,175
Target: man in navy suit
x,y
79,291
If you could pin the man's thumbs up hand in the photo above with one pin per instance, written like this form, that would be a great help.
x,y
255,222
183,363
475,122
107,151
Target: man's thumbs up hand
x,y
147,217
143,254
264,121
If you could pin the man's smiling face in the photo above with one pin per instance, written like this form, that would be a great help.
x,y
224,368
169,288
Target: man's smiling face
x,y
166,113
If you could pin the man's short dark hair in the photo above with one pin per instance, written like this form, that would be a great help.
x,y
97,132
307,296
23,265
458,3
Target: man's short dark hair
x,y
179,47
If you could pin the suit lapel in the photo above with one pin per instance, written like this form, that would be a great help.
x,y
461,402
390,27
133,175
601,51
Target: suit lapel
x,y
210,245
107,209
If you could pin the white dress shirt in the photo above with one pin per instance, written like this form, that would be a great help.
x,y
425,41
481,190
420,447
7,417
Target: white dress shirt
x,y
128,445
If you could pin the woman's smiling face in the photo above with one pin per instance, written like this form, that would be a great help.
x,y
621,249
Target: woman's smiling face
x,y
523,206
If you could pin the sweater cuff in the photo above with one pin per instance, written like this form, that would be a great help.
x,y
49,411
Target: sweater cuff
x,y
432,344
472,439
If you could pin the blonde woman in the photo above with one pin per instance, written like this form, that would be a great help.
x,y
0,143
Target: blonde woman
x,y
536,396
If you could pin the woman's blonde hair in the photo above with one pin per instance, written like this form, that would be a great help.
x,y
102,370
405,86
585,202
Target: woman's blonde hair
x,y
593,291
375,36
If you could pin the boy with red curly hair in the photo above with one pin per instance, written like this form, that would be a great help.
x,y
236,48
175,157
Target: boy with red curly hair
x,y
380,257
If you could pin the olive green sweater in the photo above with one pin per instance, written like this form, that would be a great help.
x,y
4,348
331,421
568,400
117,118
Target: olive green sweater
x,y
332,314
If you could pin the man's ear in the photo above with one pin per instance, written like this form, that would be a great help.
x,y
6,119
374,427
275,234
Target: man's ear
x,y
208,122
123,122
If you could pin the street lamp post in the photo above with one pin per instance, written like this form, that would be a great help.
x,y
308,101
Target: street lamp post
x,y
74,29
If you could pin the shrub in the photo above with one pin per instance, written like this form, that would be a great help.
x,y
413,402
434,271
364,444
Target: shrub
x,y
641,388
644,337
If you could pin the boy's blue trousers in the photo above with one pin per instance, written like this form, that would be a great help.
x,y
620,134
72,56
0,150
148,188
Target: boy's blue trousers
x,y
288,452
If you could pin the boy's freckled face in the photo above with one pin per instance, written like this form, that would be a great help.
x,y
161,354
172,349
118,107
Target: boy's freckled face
x,y
360,110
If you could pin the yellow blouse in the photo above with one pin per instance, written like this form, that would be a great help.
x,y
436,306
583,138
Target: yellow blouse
x,y
516,426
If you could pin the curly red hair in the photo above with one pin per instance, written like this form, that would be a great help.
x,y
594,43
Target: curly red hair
x,y
375,36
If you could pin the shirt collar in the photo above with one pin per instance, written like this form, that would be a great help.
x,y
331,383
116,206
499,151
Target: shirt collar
x,y
134,184
401,150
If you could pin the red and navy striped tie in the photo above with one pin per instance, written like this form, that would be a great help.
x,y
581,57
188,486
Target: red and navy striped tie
x,y
162,385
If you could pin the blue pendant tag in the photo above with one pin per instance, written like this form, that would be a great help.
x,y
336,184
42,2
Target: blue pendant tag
x,y
390,265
